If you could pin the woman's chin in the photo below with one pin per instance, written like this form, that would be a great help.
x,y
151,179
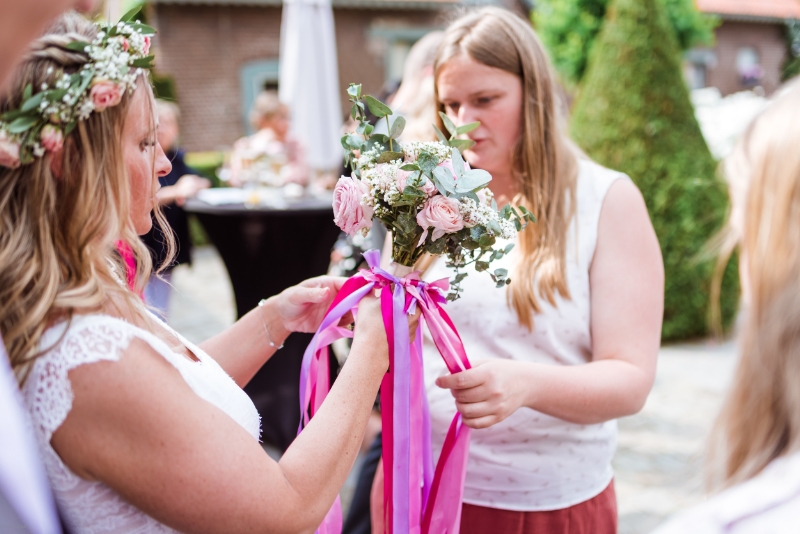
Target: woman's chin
x,y
144,226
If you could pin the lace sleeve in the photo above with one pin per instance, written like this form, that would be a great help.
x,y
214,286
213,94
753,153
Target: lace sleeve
x,y
87,339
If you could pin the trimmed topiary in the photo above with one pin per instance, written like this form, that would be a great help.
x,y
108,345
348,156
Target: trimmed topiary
x,y
633,114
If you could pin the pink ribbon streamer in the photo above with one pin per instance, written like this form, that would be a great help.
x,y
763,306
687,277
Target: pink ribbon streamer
x,y
417,498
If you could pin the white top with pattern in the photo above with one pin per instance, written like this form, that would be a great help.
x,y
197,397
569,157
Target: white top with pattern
x,y
92,507
531,461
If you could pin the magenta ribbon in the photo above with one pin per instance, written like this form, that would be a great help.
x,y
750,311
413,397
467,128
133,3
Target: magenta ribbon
x,y
417,497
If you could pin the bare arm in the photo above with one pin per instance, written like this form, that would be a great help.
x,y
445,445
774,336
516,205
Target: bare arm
x,y
627,292
137,426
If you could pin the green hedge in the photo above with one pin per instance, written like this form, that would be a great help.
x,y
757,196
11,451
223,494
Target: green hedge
x,y
634,114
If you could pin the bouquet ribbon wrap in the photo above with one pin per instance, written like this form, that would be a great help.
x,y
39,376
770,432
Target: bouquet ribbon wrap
x,y
418,499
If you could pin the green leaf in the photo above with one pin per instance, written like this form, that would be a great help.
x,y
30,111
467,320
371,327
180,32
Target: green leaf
x,y
22,124
476,232
486,240
32,103
506,211
354,141
377,108
481,266
500,283
71,126
473,180
427,162
78,46
369,129
441,136
127,17
461,144
144,28
449,124
494,227
458,162
517,225
508,248
145,62
398,126
408,167
388,156
362,126
466,128
437,247
9,116
501,273
27,92
459,277
379,140
354,111
444,177
354,90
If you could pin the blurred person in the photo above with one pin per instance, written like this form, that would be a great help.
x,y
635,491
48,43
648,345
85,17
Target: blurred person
x,y
754,449
139,428
26,504
571,344
181,183
272,140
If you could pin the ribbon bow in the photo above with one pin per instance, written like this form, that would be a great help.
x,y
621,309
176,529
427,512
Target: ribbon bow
x,y
417,498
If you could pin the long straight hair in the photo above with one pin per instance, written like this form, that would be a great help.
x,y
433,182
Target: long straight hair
x,y
544,161
58,233
760,419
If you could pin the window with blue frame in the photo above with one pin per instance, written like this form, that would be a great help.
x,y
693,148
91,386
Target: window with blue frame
x,y
255,77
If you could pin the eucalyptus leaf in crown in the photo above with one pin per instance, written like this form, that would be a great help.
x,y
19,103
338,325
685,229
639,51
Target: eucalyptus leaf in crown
x,y
49,113
425,194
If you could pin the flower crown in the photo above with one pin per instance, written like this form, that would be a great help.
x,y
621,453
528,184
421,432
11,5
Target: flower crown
x,y
116,58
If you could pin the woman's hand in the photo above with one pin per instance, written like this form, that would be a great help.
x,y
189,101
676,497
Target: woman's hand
x,y
301,308
489,392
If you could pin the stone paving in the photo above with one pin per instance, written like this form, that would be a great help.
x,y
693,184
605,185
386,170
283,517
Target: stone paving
x,y
659,464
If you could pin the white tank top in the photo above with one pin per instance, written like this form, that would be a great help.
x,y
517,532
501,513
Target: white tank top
x,y
531,461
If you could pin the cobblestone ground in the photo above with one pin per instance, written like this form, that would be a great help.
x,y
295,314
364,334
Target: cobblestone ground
x,y
659,459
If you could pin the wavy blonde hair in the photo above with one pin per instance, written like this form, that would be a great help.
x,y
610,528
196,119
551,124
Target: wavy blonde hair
x,y
58,234
760,419
545,162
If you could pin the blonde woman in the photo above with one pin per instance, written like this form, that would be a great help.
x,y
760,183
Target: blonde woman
x,y
140,430
571,344
756,441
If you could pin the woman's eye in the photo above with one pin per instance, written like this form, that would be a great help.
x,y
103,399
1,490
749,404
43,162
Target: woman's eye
x,y
452,109
484,100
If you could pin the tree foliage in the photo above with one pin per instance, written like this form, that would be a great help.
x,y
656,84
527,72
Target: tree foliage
x,y
568,29
634,114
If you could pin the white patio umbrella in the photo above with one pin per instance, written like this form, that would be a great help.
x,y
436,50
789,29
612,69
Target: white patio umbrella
x,y
309,79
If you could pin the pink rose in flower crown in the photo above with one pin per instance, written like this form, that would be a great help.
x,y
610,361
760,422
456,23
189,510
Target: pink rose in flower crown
x,y
146,45
52,139
349,211
402,180
441,213
9,152
105,94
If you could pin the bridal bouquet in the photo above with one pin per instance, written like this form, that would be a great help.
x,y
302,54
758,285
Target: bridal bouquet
x,y
434,203
424,192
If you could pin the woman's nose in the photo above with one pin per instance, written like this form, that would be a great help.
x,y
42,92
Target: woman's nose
x,y
163,164
466,115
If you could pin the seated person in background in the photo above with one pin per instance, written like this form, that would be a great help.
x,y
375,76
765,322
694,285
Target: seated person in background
x,y
181,183
272,143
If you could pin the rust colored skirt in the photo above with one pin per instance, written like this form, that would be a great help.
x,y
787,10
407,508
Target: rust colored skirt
x,y
598,515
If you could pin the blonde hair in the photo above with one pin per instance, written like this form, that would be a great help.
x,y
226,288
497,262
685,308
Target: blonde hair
x,y
266,106
167,107
760,419
544,160
415,95
58,234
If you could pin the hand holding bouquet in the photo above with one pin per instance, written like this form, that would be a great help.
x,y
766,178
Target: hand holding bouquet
x,y
425,193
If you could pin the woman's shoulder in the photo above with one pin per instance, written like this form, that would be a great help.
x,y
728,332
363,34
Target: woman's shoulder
x,y
593,176
766,503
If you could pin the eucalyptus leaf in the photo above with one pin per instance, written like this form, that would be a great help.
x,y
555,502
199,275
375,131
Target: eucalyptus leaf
x,y
437,247
466,128
353,111
22,124
476,232
388,156
458,162
33,102
481,265
440,187
508,248
473,180
398,126
501,273
354,90
444,176
427,162
354,141
77,46
461,144
494,227
486,240
449,124
377,108
459,277
441,136
369,129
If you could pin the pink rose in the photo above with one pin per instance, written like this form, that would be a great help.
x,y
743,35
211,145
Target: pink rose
x,y
402,180
9,152
52,138
125,44
105,94
146,45
442,214
349,211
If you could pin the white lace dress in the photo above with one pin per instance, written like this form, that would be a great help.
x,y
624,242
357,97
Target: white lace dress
x,y
93,507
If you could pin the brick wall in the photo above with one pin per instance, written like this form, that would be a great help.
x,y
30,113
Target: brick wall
x,y
204,47
767,39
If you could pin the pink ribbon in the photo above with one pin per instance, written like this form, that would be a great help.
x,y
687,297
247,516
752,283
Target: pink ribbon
x,y
417,498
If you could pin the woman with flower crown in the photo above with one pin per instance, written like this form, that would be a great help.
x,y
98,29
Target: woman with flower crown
x,y
140,430
571,344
